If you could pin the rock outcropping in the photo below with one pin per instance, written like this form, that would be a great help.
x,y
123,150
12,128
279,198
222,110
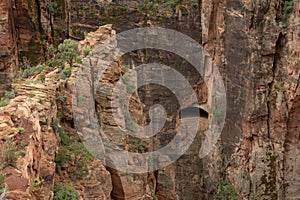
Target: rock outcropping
x,y
30,140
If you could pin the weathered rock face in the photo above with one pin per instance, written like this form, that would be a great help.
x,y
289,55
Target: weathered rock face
x,y
31,123
33,28
24,124
255,46
8,43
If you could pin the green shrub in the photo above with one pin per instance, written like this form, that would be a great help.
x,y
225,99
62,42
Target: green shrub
x,y
86,51
21,130
137,146
64,138
288,7
54,62
78,60
62,157
68,51
25,73
85,9
37,69
42,77
1,182
85,35
225,191
52,7
10,155
73,152
60,99
31,95
56,126
3,186
36,185
149,5
23,144
60,115
65,192
81,156
65,73
10,94
3,102
173,3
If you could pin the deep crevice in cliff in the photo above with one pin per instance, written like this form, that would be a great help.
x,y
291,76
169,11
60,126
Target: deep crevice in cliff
x,y
278,48
41,31
270,179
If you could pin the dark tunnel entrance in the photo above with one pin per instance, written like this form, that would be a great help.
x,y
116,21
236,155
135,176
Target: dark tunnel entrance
x,y
193,111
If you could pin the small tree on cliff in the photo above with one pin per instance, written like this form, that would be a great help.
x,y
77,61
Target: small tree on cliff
x,y
81,157
68,51
64,191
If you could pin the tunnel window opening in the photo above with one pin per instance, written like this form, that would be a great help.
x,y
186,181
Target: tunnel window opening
x,y
193,111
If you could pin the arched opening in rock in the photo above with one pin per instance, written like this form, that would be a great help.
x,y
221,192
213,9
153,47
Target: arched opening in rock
x,y
193,111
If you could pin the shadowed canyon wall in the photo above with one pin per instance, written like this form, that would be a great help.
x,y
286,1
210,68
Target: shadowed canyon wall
x,y
8,39
256,46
